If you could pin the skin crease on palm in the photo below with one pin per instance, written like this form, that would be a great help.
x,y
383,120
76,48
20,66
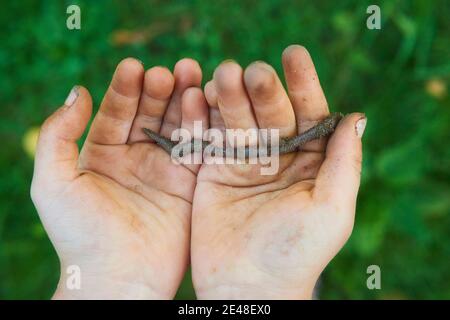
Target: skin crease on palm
x,y
131,219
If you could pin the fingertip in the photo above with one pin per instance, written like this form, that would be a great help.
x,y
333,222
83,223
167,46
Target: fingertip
x,y
187,63
293,54
130,64
349,123
188,70
84,97
159,83
128,77
260,77
349,129
228,76
70,120
78,103
298,68
85,100
295,48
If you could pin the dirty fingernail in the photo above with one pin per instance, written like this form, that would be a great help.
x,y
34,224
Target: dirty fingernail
x,y
72,97
361,126
228,61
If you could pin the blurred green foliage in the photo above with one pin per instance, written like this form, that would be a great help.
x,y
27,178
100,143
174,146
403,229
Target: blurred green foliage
x,y
397,75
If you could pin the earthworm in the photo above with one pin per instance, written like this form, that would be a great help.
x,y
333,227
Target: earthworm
x,y
286,145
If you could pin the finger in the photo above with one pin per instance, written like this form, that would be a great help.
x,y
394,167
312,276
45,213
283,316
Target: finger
x,y
233,102
57,150
303,84
187,74
113,122
157,90
194,117
270,102
194,109
215,118
305,92
339,176
211,94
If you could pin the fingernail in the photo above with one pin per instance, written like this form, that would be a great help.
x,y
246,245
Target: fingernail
x,y
140,61
72,97
259,62
361,126
228,61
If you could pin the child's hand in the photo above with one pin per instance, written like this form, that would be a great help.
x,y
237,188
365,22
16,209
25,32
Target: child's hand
x,y
257,236
120,210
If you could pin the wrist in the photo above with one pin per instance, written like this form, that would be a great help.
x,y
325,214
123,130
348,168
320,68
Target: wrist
x,y
101,288
225,292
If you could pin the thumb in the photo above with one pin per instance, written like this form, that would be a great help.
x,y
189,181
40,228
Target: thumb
x,y
57,150
339,176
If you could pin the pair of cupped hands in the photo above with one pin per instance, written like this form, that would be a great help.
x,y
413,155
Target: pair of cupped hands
x,y
132,220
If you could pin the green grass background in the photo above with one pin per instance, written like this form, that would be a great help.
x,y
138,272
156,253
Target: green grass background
x,y
402,222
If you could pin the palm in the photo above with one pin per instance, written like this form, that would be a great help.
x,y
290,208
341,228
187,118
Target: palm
x,y
270,236
131,199
263,225
120,210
